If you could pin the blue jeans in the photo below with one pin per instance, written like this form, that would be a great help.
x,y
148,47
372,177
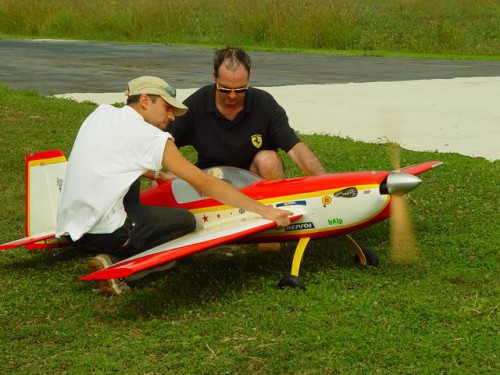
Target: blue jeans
x,y
144,228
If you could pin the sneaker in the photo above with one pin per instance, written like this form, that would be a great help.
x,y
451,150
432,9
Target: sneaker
x,y
110,287
273,247
141,274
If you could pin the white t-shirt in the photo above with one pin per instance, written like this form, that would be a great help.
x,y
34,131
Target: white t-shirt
x,y
114,146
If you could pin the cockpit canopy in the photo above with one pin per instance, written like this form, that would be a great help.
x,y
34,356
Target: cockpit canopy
x,y
239,178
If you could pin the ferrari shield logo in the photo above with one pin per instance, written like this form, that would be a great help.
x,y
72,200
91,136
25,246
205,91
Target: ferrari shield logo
x,y
256,140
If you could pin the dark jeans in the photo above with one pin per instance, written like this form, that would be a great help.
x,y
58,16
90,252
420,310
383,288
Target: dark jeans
x,y
144,228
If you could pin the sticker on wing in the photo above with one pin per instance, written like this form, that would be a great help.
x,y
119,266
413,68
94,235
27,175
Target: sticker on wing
x,y
200,240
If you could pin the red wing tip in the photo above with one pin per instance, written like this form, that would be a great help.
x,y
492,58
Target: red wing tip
x,y
296,216
108,273
85,278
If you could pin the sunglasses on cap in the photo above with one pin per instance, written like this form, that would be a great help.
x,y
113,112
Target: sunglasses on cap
x,y
171,90
227,90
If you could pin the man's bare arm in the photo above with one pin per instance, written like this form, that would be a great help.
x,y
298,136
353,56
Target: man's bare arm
x,y
306,160
218,189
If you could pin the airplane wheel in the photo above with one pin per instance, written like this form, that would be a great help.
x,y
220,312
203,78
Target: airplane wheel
x,y
291,281
371,257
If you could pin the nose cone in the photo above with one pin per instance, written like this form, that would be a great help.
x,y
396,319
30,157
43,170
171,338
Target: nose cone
x,y
399,183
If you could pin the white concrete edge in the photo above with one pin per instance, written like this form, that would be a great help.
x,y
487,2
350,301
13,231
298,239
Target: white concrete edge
x,y
446,115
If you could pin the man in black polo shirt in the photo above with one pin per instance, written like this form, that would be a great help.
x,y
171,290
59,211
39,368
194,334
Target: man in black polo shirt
x,y
236,125
232,124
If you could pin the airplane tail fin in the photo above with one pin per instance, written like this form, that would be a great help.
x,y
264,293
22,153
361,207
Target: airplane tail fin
x,y
45,172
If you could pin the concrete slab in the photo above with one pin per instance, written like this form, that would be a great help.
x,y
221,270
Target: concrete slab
x,y
447,115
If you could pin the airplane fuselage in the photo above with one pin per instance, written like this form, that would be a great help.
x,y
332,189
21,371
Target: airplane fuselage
x,y
332,204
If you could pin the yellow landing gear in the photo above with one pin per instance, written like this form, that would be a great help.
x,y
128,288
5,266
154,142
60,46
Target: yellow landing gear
x,y
365,257
292,280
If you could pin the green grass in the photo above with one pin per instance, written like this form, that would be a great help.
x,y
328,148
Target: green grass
x,y
220,312
452,28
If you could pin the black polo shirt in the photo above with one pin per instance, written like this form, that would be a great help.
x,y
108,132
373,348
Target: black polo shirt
x,y
261,125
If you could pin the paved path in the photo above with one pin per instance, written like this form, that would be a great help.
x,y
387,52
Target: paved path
x,y
439,105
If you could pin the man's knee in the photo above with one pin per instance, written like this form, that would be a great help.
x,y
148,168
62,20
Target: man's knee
x,y
184,220
268,165
190,221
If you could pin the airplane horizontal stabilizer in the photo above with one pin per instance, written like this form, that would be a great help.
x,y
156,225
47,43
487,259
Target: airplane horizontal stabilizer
x,y
200,240
27,240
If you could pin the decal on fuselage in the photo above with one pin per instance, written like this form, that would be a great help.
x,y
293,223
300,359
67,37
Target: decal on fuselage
x,y
350,192
335,221
292,203
326,200
59,183
299,226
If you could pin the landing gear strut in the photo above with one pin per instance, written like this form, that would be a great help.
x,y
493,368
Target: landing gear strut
x,y
365,257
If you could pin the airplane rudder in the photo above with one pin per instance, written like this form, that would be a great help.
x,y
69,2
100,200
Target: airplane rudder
x,y
44,175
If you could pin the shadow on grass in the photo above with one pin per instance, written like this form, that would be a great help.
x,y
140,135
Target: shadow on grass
x,y
206,279
211,277
20,260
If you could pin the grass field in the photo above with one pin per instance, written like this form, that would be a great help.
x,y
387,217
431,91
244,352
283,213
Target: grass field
x,y
220,312
452,28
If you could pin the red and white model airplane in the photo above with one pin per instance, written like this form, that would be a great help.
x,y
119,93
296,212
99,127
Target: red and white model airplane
x,y
324,206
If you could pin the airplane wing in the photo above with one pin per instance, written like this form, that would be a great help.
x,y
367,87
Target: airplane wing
x,y
200,240
421,168
27,240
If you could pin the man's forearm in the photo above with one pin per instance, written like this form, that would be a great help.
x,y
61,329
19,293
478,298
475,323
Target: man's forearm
x,y
306,160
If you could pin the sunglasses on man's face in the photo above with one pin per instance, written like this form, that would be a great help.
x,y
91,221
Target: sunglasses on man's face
x,y
227,90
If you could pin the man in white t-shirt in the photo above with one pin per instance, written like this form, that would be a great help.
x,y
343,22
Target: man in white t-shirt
x,y
99,210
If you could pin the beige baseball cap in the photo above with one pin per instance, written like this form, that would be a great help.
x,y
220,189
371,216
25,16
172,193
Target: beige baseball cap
x,y
156,86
